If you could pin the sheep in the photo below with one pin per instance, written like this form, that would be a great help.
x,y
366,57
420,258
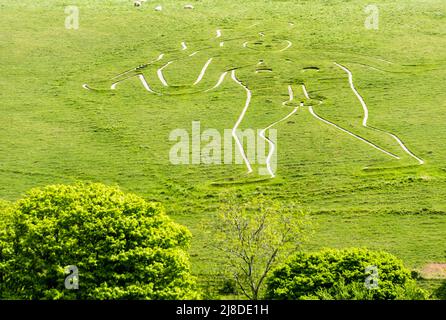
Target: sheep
x,y
188,6
137,3
158,8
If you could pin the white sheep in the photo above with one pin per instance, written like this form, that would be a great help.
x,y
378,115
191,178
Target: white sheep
x,y
158,8
188,6
137,3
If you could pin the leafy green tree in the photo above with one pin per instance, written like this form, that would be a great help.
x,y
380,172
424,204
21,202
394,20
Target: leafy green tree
x,y
440,291
342,274
5,220
5,214
254,235
122,246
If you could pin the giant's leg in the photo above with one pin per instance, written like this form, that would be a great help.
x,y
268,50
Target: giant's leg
x,y
348,112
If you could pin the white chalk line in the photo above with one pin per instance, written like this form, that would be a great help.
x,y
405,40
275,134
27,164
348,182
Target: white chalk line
x,y
351,133
161,76
383,60
193,53
141,78
113,86
291,96
344,130
157,59
288,46
219,82
420,161
304,89
239,120
272,145
145,84
364,106
203,71
366,115
163,80
222,43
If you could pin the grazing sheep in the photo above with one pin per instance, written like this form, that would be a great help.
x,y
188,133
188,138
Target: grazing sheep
x,y
137,3
188,6
158,8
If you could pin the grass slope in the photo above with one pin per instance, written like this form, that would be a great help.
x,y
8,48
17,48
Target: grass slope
x,y
53,131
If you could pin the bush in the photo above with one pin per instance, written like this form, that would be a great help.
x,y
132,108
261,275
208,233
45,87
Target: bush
x,y
123,246
5,214
440,292
5,220
358,291
340,274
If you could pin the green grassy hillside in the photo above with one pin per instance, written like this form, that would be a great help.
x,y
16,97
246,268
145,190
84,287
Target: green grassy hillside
x,y
54,131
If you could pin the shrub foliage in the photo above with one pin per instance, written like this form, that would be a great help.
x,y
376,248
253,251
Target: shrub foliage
x,y
123,246
341,274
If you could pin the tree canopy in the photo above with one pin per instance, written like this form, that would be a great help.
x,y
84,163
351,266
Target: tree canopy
x,y
353,273
122,246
